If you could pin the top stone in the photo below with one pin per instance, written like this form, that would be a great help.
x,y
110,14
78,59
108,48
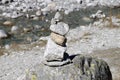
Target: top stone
x,y
60,28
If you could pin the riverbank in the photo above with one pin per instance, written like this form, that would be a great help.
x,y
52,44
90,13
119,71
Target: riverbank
x,y
89,40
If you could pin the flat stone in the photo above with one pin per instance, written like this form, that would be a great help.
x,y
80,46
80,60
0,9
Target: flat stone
x,y
54,52
8,23
58,39
60,28
57,63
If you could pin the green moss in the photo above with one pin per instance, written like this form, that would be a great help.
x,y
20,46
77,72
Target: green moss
x,y
33,77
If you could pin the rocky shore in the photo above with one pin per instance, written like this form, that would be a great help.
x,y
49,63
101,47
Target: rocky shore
x,y
17,8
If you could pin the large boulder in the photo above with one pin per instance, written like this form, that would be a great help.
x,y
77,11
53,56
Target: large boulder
x,y
82,68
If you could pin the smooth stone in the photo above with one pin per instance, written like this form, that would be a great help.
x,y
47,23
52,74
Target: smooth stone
x,y
58,16
38,13
26,29
3,34
54,51
8,23
86,19
58,39
14,29
35,18
60,28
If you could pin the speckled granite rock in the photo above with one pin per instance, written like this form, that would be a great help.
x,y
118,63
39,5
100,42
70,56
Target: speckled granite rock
x,y
82,68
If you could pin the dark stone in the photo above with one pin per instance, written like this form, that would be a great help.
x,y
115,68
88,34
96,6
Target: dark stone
x,y
98,69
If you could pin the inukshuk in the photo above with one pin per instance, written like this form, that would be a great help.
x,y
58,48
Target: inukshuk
x,y
56,45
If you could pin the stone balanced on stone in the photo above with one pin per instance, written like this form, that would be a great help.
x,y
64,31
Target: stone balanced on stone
x,y
56,46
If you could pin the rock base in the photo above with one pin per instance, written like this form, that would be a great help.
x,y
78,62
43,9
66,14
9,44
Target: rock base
x,y
81,68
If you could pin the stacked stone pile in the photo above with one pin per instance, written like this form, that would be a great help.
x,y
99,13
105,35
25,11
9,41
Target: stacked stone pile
x,y
56,46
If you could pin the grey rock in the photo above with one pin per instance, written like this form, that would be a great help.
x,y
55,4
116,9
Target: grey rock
x,y
58,16
38,13
60,28
98,15
92,68
3,34
82,68
54,51
16,14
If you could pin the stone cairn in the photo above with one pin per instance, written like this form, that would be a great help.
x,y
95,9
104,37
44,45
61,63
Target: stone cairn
x,y
55,53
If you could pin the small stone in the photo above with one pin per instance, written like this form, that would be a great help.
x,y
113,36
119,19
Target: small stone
x,y
3,34
35,18
7,46
60,28
45,11
8,23
52,6
53,51
59,39
38,13
26,30
14,29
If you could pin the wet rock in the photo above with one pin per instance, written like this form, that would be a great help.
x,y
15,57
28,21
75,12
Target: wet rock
x,y
6,1
98,15
14,29
87,19
35,18
82,68
7,46
38,13
8,23
27,29
59,39
60,28
3,34
16,14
